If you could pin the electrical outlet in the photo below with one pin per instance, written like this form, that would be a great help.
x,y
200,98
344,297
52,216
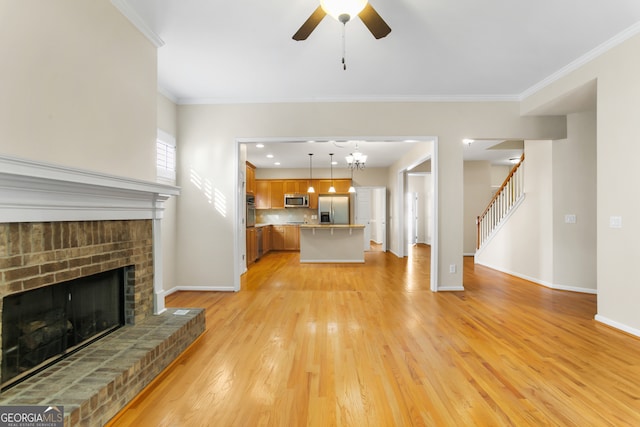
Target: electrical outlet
x,y
452,268
570,219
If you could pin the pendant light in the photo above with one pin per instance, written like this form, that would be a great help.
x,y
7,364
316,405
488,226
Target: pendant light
x,y
332,189
310,189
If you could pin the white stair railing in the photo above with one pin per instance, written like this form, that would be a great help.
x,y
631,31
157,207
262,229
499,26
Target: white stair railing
x,y
509,193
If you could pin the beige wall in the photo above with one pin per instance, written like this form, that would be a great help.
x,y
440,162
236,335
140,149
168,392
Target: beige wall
x,y
78,85
618,127
559,180
208,134
477,194
498,174
523,246
168,122
574,193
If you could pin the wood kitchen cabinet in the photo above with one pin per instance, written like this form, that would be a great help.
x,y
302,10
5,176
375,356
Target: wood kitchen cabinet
x,y
263,194
266,238
285,238
277,194
313,197
277,237
251,178
296,186
341,186
291,238
252,247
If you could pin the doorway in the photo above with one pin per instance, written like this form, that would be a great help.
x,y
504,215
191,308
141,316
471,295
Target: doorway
x,y
394,236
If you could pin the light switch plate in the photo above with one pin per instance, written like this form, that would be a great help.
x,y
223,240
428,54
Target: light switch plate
x,y
570,219
615,222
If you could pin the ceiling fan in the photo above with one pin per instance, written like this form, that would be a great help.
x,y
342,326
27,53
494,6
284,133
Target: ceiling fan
x,y
343,11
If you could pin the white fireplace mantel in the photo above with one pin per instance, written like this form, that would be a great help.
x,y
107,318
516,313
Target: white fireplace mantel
x,y
38,192
32,192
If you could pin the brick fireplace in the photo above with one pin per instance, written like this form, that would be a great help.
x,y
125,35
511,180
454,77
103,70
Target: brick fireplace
x,y
35,255
58,224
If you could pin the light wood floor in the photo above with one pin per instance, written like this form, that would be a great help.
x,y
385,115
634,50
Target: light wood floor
x,y
370,345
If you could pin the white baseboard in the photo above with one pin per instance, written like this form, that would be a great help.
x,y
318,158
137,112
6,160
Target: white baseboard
x,y
450,288
618,325
541,282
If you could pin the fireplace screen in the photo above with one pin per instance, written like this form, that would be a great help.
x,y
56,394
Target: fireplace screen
x,y
42,325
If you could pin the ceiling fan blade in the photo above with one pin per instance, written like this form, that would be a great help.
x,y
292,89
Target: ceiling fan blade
x,y
310,24
374,22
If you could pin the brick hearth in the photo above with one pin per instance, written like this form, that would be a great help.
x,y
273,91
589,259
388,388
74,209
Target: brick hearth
x,y
94,383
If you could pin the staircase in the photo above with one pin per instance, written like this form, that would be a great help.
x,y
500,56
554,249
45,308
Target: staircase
x,y
508,196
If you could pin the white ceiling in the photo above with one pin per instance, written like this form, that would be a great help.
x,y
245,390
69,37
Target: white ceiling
x,y
295,154
241,51
380,154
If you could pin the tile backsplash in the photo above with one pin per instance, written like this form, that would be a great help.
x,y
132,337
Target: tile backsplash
x,y
284,216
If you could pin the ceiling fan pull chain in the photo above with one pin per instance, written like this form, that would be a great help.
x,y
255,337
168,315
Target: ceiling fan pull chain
x,y
344,46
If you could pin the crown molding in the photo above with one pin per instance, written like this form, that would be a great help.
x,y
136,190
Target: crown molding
x,y
355,99
130,13
583,60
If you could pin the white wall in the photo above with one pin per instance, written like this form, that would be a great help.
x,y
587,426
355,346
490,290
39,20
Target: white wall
x,y
477,194
618,127
208,135
78,85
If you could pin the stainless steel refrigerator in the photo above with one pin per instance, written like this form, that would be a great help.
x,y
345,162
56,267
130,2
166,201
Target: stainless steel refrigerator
x,y
333,209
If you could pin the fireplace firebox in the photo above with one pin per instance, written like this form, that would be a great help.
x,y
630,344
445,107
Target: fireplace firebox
x,y
42,326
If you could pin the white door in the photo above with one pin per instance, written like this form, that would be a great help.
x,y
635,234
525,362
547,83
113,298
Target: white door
x,y
413,218
380,214
363,214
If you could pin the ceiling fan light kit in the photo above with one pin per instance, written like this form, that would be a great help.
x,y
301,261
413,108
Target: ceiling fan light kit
x,y
337,9
343,11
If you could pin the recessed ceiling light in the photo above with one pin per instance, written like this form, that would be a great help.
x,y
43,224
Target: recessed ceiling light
x,y
277,163
259,145
334,163
269,156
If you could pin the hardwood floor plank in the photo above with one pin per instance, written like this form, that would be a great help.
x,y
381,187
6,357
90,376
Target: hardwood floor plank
x,y
370,344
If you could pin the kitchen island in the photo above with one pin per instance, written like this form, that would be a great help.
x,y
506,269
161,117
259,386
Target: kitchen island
x,y
342,243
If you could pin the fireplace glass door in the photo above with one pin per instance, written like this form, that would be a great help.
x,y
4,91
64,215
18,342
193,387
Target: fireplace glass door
x,y
42,325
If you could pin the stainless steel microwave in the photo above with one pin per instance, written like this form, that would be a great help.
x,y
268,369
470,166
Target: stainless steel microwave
x,y
296,200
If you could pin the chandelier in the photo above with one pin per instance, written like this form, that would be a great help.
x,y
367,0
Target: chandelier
x,y
356,160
